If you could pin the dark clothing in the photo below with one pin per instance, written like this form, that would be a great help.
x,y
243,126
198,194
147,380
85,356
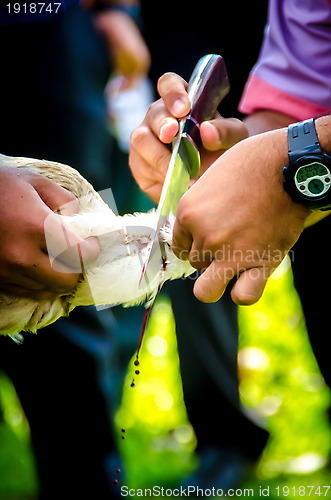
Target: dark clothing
x,y
52,107
311,278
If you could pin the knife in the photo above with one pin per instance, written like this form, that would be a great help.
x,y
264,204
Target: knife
x,y
208,85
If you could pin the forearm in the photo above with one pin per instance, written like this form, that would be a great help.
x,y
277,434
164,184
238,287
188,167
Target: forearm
x,y
265,120
323,130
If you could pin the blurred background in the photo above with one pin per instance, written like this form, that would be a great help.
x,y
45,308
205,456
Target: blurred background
x,y
280,386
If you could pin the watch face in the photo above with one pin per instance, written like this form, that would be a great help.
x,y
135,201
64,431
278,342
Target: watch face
x,y
313,179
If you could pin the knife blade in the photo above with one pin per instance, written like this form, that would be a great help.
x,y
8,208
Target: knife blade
x,y
208,85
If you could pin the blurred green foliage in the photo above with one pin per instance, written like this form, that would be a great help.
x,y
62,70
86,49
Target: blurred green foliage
x,y
281,381
280,386
159,442
18,477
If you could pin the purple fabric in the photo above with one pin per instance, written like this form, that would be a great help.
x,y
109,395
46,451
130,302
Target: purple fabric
x,y
296,52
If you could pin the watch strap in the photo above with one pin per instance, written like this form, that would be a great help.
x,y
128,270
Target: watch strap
x,y
302,139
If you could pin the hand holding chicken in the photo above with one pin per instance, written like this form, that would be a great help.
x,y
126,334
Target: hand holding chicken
x,y
81,255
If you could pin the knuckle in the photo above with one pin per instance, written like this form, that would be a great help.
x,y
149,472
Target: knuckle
x,y
164,79
70,207
184,212
210,242
16,257
171,86
138,136
154,110
161,159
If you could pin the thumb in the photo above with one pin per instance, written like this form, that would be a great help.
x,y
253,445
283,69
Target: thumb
x,y
55,197
250,285
222,133
65,246
172,89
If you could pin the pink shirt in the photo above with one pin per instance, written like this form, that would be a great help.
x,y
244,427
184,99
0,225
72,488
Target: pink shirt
x,y
293,72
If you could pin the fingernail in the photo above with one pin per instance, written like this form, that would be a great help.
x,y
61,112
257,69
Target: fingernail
x,y
168,130
179,108
163,133
210,135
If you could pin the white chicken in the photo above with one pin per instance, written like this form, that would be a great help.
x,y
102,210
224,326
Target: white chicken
x,y
114,277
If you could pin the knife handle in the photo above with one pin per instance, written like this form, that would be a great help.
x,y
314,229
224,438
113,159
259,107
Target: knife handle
x,y
208,85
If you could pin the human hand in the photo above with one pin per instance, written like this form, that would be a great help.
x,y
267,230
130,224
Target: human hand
x,y
237,221
149,151
127,48
26,200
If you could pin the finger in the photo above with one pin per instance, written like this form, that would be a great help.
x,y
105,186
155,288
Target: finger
x,y
54,196
172,89
222,133
53,275
168,130
211,285
20,279
67,246
32,269
250,285
161,122
181,241
20,291
148,148
199,260
79,256
147,180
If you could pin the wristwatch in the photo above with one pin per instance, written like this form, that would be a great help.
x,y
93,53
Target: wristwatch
x,y
307,177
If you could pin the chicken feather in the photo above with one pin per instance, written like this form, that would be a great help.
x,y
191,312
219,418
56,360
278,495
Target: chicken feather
x,y
113,278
